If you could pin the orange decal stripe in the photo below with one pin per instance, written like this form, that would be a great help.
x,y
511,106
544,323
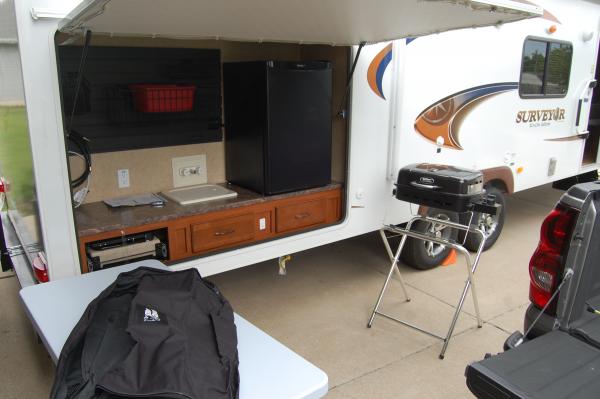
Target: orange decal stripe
x,y
374,66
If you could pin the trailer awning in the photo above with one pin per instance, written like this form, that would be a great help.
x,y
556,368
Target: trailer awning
x,y
335,22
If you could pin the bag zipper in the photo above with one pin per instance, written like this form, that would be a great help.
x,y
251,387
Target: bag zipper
x,y
146,395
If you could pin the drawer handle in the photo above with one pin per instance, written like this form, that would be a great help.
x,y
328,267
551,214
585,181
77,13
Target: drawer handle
x,y
224,232
302,215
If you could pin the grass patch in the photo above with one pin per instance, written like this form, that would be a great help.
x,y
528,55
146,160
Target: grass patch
x,y
16,164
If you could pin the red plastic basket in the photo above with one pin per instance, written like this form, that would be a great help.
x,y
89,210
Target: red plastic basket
x,y
163,98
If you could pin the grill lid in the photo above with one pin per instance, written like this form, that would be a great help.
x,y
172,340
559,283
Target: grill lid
x,y
440,186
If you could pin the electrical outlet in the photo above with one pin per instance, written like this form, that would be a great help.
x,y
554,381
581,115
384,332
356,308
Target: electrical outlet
x,y
123,178
188,171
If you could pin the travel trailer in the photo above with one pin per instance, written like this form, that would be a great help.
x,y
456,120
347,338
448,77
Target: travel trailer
x,y
512,99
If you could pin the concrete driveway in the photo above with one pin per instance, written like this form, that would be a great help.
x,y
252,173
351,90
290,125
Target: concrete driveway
x,y
321,307
320,310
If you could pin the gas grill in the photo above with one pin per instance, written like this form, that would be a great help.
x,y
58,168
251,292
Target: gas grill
x,y
444,187
448,188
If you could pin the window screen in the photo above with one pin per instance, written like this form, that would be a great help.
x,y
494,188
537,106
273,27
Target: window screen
x,y
545,68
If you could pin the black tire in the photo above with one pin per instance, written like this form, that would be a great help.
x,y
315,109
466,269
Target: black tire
x,y
492,226
427,255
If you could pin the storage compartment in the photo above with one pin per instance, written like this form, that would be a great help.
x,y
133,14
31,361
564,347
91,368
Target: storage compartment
x,y
114,251
112,119
297,216
222,232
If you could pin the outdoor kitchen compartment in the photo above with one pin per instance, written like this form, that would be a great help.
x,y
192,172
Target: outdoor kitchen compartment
x,y
278,122
440,186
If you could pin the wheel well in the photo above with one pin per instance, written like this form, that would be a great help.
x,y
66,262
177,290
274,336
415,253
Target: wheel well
x,y
500,177
499,184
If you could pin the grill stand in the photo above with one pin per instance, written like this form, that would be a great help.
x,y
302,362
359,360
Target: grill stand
x,y
471,267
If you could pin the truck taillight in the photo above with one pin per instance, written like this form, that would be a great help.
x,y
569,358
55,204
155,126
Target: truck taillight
x,y
547,264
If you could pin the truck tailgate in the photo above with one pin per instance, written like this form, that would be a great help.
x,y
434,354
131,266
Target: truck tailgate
x,y
555,365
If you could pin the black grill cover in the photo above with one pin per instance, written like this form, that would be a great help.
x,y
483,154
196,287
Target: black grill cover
x,y
152,333
440,186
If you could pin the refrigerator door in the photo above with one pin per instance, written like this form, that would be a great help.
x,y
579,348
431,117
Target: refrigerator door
x,y
245,101
299,132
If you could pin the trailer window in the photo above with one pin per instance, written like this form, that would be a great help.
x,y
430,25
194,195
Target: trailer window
x,y
545,68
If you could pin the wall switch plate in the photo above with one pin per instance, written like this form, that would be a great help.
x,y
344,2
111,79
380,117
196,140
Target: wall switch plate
x,y
262,224
189,171
123,178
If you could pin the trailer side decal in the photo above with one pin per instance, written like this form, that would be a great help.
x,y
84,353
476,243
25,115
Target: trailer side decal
x,y
377,69
443,118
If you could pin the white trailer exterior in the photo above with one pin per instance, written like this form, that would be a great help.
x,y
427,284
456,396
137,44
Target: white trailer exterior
x,y
382,135
474,78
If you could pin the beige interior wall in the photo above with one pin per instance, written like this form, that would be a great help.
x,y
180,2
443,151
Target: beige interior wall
x,y
150,169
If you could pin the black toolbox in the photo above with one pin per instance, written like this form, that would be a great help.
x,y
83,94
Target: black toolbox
x,y
440,186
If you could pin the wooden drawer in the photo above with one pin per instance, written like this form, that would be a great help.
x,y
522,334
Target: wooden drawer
x,y
300,215
222,232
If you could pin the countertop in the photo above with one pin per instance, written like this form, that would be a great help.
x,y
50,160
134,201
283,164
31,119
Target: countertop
x,y
97,217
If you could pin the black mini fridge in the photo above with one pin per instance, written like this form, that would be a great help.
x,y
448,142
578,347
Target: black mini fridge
x,y
278,118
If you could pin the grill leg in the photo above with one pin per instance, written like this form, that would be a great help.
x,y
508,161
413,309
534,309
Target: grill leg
x,y
391,255
386,243
470,283
472,272
454,319
475,300
389,276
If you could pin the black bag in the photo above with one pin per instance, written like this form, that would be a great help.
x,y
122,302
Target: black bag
x,y
152,333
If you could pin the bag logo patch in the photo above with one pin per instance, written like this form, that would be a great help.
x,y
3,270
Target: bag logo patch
x,y
151,315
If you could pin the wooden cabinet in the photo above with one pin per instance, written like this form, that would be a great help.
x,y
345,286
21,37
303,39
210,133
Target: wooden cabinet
x,y
222,233
272,217
299,215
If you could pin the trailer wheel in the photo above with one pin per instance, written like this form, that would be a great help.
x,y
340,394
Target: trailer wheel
x,y
425,255
490,225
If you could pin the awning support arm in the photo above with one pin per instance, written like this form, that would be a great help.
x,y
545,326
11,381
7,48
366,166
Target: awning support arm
x,y
342,109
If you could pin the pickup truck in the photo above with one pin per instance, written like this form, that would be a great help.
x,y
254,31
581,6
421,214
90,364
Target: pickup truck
x,y
559,354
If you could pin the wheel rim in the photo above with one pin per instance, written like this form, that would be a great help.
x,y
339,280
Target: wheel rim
x,y
436,229
488,224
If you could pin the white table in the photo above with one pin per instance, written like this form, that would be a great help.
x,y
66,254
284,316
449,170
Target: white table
x,y
268,369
